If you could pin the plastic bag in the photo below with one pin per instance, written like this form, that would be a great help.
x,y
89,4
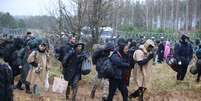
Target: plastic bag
x,y
59,85
86,66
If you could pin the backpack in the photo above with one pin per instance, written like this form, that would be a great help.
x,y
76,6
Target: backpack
x,y
106,69
33,43
198,53
6,78
62,51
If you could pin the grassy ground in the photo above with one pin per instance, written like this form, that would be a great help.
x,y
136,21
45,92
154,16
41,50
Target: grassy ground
x,y
163,87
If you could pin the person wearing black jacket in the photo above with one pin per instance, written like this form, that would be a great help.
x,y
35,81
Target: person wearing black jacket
x,y
99,55
160,52
72,68
120,61
183,54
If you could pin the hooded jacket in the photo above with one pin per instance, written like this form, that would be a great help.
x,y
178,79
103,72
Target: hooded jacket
x,y
183,52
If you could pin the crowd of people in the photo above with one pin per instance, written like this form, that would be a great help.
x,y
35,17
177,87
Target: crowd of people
x,y
114,62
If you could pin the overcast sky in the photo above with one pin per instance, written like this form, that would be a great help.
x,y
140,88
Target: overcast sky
x,y
27,7
33,7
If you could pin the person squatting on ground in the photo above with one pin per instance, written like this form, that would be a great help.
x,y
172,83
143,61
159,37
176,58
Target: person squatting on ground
x,y
183,54
72,68
120,63
40,61
99,55
143,58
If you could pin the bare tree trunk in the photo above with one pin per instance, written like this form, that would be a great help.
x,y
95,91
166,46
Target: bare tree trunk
x,y
147,15
198,25
96,17
176,14
172,15
60,18
165,15
187,15
79,18
194,15
161,14
115,17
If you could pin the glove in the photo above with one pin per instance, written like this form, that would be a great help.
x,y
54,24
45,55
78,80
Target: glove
x,y
34,64
150,56
38,69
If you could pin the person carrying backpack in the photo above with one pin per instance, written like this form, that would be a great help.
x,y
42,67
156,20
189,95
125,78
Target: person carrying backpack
x,y
143,58
99,55
120,64
31,43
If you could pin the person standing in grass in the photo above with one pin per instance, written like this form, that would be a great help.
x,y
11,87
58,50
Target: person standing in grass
x,y
40,61
72,63
121,64
183,54
99,55
144,60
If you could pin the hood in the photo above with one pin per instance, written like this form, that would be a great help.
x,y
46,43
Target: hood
x,y
109,46
148,43
142,47
167,43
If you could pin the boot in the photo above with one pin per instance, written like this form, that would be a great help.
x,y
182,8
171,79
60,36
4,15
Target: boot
x,y
134,94
93,92
19,85
67,92
141,93
28,90
74,94
198,78
104,98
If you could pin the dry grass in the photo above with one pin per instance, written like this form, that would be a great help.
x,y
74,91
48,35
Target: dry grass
x,y
163,86
164,79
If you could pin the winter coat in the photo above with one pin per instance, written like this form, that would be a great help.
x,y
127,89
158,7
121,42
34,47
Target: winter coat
x,y
183,52
23,55
121,64
142,74
167,50
43,61
161,49
72,65
98,57
198,53
62,51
